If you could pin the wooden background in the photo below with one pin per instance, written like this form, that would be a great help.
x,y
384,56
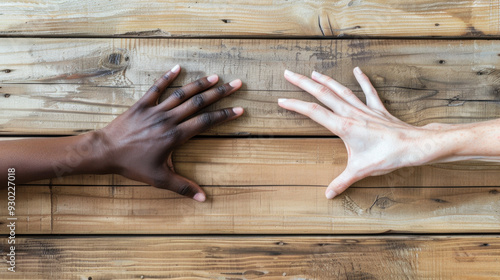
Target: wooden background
x,y
67,67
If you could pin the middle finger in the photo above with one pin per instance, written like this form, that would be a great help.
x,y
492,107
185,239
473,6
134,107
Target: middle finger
x,y
199,101
321,92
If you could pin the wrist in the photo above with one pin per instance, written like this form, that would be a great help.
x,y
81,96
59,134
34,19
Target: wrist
x,y
100,157
433,143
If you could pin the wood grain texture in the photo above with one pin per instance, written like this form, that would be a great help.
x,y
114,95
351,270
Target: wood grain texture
x,y
261,257
266,210
67,86
291,161
32,209
331,18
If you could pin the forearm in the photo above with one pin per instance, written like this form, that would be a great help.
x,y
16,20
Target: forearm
x,y
43,158
475,141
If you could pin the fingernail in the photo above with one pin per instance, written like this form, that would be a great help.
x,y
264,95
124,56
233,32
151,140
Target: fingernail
x,y
331,194
315,74
213,78
176,69
235,83
199,197
289,73
357,70
238,110
281,100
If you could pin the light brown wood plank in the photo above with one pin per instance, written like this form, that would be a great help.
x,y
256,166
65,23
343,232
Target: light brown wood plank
x,y
331,18
261,257
32,210
66,86
293,161
271,210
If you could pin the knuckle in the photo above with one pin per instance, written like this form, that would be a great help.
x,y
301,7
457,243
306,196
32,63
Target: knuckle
x,y
184,190
154,88
221,90
179,93
226,113
346,92
314,107
323,91
198,100
166,77
200,83
207,119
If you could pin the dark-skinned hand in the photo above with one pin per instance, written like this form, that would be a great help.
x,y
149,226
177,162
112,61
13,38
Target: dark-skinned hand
x,y
141,140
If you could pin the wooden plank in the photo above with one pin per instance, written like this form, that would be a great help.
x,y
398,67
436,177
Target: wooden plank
x,y
66,86
261,257
272,210
332,18
32,210
292,161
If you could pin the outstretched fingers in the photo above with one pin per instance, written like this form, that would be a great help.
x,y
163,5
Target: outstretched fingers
x,y
342,91
186,92
155,91
321,92
201,100
314,111
372,99
202,122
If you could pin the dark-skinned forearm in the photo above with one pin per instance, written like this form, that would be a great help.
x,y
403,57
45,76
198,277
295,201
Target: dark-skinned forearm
x,y
43,158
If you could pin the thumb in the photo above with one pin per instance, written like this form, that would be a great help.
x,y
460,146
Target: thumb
x,y
340,184
183,186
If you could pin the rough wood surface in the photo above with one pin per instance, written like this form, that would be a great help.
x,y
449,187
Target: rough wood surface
x,y
263,210
332,18
262,257
66,86
32,209
292,161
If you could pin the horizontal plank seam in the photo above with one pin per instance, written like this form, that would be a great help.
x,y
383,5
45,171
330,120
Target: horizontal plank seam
x,y
391,235
256,186
316,37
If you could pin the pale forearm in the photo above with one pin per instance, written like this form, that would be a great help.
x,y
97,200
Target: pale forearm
x,y
449,143
43,158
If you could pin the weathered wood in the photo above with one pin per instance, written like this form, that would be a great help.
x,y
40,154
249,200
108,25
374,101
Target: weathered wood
x,y
276,257
266,210
331,18
32,210
285,161
66,86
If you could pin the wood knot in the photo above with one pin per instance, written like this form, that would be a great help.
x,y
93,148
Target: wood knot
x,y
116,59
384,202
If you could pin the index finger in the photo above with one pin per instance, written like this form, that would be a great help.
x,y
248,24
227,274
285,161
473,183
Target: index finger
x,y
153,94
321,92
